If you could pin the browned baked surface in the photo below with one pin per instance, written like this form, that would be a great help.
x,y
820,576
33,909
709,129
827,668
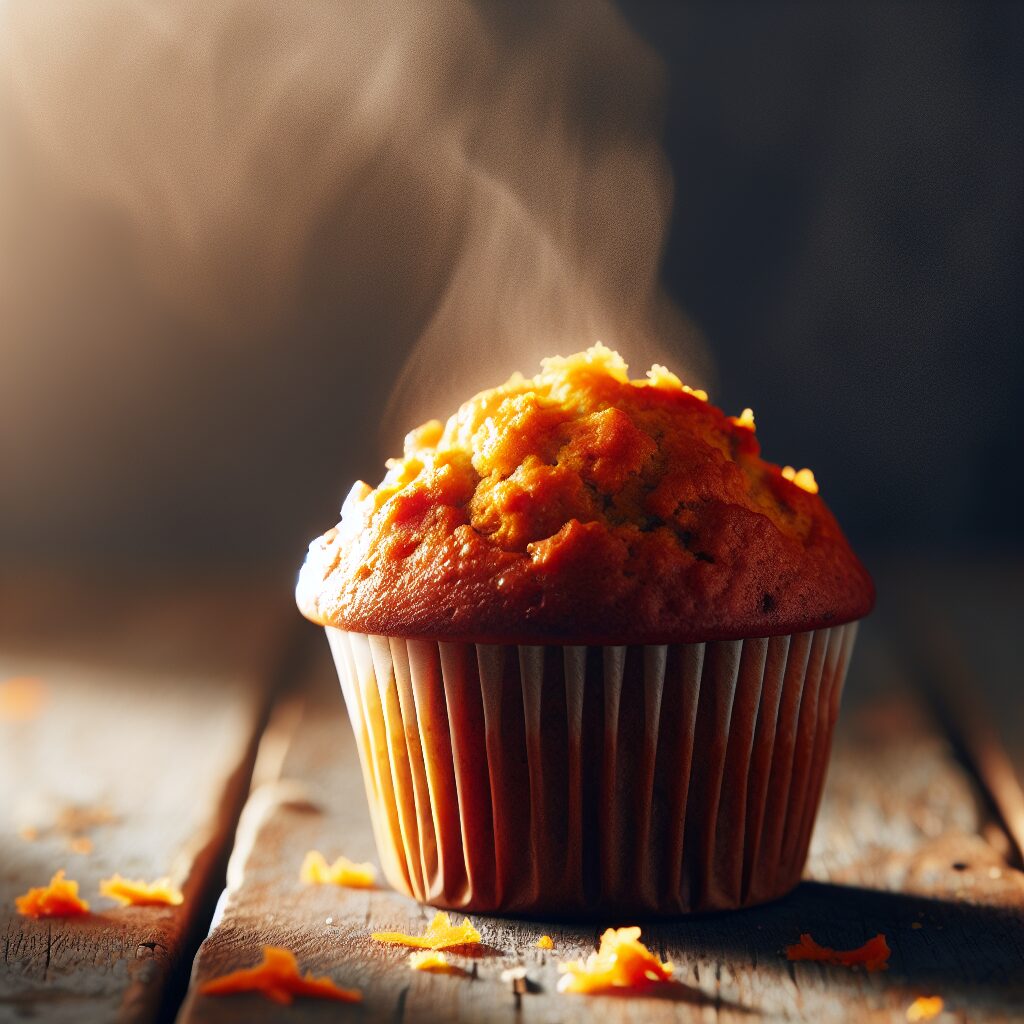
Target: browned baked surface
x,y
581,507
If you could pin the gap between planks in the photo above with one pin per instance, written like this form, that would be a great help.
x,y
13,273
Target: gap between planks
x,y
155,696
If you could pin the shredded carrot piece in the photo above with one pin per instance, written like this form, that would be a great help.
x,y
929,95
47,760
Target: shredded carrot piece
x,y
440,934
622,961
873,955
803,478
141,894
745,419
80,844
28,832
278,978
433,961
545,942
924,1008
316,870
58,899
22,698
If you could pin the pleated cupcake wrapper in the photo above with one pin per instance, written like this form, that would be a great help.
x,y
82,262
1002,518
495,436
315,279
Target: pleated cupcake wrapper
x,y
646,780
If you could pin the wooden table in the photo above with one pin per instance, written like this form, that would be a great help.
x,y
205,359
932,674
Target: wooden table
x,y
195,729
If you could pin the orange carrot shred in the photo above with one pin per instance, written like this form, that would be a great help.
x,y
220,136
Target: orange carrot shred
x,y
872,956
924,1008
316,870
279,980
141,894
440,934
58,899
433,961
545,942
622,961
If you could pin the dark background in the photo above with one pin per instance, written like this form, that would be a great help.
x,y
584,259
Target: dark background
x,y
846,234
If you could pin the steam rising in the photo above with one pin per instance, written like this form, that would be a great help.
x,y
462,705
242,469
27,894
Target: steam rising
x,y
568,198
238,224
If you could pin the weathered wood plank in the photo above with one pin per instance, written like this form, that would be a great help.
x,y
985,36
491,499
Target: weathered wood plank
x,y
135,761
900,848
961,621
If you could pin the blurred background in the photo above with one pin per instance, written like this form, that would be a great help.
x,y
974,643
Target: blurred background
x,y
245,246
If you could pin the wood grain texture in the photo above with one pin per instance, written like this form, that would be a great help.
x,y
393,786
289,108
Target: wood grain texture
x,y
151,702
901,847
959,622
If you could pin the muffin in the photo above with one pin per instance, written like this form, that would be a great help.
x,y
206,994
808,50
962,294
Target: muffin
x,y
592,646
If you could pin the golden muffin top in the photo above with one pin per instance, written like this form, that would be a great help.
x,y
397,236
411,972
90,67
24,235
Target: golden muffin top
x,y
579,506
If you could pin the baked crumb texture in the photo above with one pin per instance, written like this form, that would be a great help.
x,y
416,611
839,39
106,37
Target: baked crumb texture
x,y
579,506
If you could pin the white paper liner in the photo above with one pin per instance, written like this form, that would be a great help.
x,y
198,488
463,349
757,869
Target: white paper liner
x,y
649,780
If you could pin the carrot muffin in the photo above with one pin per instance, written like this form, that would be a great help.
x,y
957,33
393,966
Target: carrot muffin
x,y
552,608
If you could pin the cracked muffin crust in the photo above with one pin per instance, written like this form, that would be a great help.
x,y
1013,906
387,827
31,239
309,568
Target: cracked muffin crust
x,y
580,506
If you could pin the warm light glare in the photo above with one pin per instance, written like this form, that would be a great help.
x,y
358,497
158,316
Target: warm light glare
x,y
22,698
